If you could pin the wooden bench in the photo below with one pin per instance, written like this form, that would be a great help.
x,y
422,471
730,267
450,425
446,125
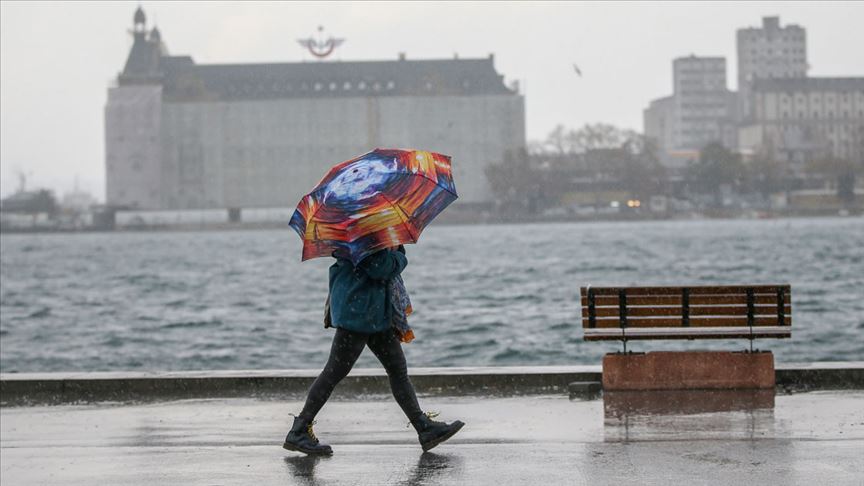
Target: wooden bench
x,y
693,312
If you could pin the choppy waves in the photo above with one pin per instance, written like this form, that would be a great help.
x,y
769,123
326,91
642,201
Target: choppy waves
x,y
484,295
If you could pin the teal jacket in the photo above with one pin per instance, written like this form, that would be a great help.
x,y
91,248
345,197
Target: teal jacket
x,y
358,295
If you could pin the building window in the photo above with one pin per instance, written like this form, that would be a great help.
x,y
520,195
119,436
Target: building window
x,y
332,86
318,86
391,84
347,86
361,85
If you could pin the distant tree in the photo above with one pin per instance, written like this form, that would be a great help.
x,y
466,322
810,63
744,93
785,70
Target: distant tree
x,y
557,142
35,202
605,152
597,136
45,202
515,184
643,174
717,166
846,186
765,175
536,147
842,171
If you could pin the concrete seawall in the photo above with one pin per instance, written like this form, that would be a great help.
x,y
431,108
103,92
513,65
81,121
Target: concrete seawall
x,y
17,389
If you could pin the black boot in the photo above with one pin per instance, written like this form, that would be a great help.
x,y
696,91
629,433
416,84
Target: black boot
x,y
302,439
431,433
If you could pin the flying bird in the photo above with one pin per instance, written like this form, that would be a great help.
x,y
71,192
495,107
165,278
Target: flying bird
x,y
578,71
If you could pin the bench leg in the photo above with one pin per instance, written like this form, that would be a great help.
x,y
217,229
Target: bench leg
x,y
688,370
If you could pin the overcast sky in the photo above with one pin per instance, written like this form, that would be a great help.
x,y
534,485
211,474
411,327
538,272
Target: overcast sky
x,y
59,58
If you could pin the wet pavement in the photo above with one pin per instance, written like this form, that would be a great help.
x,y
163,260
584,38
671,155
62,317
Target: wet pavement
x,y
805,438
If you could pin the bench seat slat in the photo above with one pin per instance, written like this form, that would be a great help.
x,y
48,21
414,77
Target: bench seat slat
x,y
694,322
616,334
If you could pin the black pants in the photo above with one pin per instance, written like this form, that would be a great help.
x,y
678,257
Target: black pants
x,y
347,346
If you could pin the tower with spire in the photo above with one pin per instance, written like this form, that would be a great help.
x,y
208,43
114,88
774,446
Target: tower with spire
x,y
144,62
133,122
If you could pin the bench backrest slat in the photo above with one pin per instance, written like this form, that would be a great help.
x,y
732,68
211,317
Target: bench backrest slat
x,y
686,312
694,299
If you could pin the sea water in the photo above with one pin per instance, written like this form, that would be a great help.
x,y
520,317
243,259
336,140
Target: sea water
x,y
483,295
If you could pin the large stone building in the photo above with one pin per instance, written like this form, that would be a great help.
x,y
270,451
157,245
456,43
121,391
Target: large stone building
x,y
769,52
700,111
802,120
181,135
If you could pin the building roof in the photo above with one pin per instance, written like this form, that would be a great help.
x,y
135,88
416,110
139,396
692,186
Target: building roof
x,y
809,84
769,25
143,63
662,102
184,80
694,57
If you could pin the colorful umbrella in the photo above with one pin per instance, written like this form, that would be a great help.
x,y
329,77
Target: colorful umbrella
x,y
378,200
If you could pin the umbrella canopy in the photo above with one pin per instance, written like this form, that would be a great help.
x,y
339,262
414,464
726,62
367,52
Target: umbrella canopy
x,y
378,200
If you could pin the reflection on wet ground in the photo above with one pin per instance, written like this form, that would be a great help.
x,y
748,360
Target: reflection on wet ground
x,y
700,414
617,404
302,468
430,468
807,438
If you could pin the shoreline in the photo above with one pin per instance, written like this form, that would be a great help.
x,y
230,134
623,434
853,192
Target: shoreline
x,y
470,221
27,389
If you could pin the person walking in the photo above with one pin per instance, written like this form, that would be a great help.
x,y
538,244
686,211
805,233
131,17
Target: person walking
x,y
368,306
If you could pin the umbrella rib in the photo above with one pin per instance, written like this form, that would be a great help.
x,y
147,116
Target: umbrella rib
x,y
404,222
428,179
312,216
423,175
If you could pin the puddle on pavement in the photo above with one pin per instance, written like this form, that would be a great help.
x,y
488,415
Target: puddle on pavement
x,y
690,414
